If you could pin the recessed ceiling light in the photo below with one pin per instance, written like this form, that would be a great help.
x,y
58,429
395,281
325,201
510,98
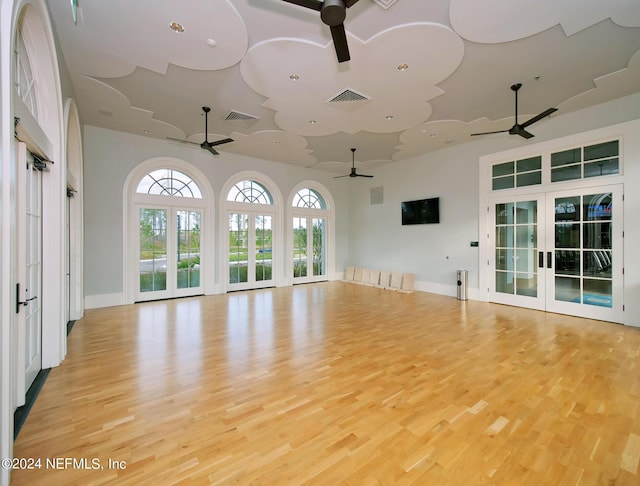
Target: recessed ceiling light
x,y
294,77
176,27
403,67
211,42
312,122
277,142
146,131
433,135
389,117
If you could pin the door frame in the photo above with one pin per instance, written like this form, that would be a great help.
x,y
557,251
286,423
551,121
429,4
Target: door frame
x,y
544,149
275,209
172,291
252,210
130,221
545,299
309,216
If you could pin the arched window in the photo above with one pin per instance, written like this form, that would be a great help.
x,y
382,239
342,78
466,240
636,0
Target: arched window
x,y
310,219
169,182
249,191
168,230
24,79
251,208
309,199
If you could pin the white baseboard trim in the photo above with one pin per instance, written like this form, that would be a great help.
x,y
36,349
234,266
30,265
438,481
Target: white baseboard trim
x,y
103,300
449,290
111,300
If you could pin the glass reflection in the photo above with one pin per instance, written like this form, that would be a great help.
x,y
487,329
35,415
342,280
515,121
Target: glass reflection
x,y
567,289
597,264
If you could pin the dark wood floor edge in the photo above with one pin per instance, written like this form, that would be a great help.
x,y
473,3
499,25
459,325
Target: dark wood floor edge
x,y
21,413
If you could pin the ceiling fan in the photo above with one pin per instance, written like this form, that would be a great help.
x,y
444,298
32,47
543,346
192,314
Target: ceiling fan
x,y
353,172
206,144
519,129
332,13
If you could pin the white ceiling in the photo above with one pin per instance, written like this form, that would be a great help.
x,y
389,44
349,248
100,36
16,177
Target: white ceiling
x,y
132,73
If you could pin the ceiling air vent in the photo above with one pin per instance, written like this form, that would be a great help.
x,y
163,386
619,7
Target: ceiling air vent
x,y
240,119
348,100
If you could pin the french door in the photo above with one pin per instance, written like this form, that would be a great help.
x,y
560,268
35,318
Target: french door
x,y
169,242
250,259
29,287
309,249
559,251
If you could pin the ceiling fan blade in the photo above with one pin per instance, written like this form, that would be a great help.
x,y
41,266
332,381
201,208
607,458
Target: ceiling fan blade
x,y
208,147
363,175
312,4
339,37
350,3
539,117
489,133
182,140
340,177
220,142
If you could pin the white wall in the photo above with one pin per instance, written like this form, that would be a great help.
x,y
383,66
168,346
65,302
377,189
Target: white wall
x,y
111,155
435,252
366,235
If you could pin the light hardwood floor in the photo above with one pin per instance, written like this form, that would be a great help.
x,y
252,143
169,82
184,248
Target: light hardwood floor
x,y
335,383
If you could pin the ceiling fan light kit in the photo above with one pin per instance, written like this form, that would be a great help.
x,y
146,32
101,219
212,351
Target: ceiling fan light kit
x,y
517,128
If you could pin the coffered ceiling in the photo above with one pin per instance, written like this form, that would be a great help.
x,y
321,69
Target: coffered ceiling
x,y
422,74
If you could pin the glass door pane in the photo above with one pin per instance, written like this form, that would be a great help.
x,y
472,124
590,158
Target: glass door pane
x,y
263,245
153,250
299,247
238,247
516,257
586,241
526,248
583,254
516,248
319,246
188,249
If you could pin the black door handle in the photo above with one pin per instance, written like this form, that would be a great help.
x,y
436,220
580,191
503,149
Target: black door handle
x,y
20,303
540,259
549,259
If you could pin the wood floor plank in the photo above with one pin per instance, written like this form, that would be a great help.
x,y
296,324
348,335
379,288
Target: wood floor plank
x,y
334,383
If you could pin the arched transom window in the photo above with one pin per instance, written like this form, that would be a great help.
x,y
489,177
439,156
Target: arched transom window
x,y
169,182
249,191
25,80
309,199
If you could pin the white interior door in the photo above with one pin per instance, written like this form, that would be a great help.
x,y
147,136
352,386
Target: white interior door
x,y
560,252
584,252
29,286
517,240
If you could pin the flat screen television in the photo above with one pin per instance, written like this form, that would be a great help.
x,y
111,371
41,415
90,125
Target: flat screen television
x,y
422,211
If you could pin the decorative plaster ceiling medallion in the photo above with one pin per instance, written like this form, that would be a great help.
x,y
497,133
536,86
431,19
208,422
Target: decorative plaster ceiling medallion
x,y
385,4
